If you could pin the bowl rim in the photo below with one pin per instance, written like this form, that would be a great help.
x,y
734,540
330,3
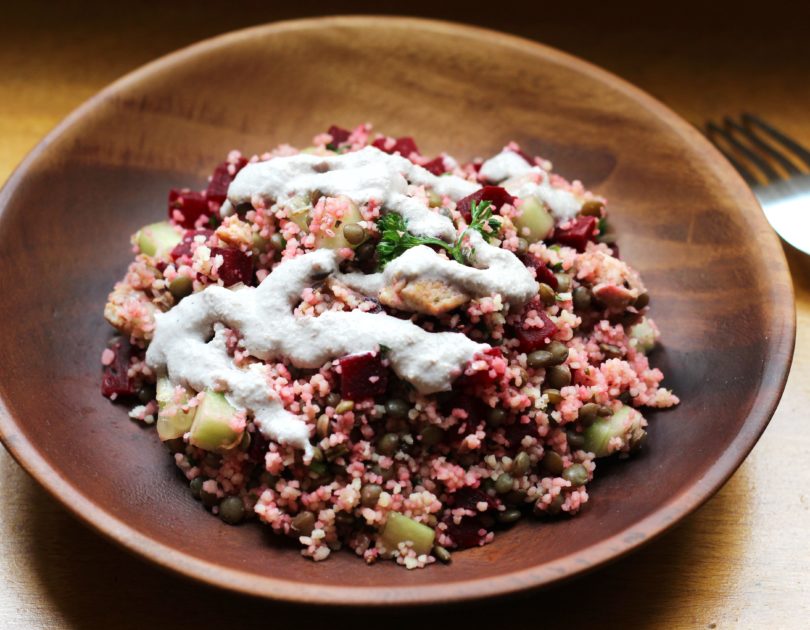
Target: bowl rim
x,y
775,371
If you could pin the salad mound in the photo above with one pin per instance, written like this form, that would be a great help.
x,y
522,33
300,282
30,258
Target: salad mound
x,y
366,347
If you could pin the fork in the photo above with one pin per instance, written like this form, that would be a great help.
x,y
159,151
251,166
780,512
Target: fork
x,y
776,167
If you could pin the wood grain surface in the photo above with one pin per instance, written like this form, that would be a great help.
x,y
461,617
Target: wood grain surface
x,y
739,561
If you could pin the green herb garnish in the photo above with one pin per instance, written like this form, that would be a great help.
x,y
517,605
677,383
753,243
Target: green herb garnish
x,y
395,239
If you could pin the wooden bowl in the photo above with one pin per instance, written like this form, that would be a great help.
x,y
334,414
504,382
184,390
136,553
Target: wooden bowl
x,y
720,288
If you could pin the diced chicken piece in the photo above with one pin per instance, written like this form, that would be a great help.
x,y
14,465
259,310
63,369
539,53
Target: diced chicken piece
x,y
429,296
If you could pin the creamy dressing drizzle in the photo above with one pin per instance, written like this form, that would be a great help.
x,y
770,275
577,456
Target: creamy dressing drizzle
x,y
183,345
523,180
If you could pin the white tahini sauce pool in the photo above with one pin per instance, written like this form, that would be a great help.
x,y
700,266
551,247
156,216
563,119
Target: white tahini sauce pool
x,y
189,342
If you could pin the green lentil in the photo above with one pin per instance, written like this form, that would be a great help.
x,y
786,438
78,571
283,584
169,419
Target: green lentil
x,y
344,519
642,301
388,444
522,246
431,435
196,487
353,233
344,405
507,517
232,510
554,396
317,454
496,416
333,399
370,494
337,451
322,426
441,554
563,282
521,464
146,393
576,441
516,497
547,295
588,413
610,351
592,208
604,412
558,350
503,483
539,359
582,298
277,242
553,462
577,474
558,376
397,408
303,523
366,251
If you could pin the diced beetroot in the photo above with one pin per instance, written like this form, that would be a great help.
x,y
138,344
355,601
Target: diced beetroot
x,y
192,205
494,194
577,234
469,498
236,266
115,380
362,376
482,378
465,533
435,166
475,410
339,135
544,274
532,339
517,431
183,248
220,180
404,146
258,447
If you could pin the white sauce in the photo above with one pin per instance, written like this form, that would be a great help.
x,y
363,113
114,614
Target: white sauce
x,y
264,315
522,179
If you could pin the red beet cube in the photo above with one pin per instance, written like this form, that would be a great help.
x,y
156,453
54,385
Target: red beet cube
x,y
435,166
362,376
465,533
494,194
532,339
482,378
183,248
339,135
518,430
192,205
543,273
404,146
217,189
115,380
236,266
577,233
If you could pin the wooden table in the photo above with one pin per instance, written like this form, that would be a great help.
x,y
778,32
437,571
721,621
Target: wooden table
x,y
741,561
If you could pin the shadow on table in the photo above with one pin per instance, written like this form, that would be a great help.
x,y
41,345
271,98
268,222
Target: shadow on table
x,y
94,584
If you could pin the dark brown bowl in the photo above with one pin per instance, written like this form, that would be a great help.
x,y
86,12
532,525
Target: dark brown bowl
x,y
718,279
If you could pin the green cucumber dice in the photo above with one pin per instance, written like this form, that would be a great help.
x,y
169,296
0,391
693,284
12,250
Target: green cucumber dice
x,y
173,421
626,424
157,239
535,223
399,529
213,428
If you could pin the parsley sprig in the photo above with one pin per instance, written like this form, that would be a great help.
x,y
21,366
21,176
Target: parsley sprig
x,y
395,238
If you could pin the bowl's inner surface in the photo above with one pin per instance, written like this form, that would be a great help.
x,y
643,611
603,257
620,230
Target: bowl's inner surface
x,y
64,242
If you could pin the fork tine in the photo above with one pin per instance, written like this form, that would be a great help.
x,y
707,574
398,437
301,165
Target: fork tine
x,y
747,175
800,152
754,139
767,169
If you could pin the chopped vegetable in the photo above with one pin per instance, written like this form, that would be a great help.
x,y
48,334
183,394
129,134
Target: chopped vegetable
x,y
214,428
399,529
174,418
626,424
157,239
